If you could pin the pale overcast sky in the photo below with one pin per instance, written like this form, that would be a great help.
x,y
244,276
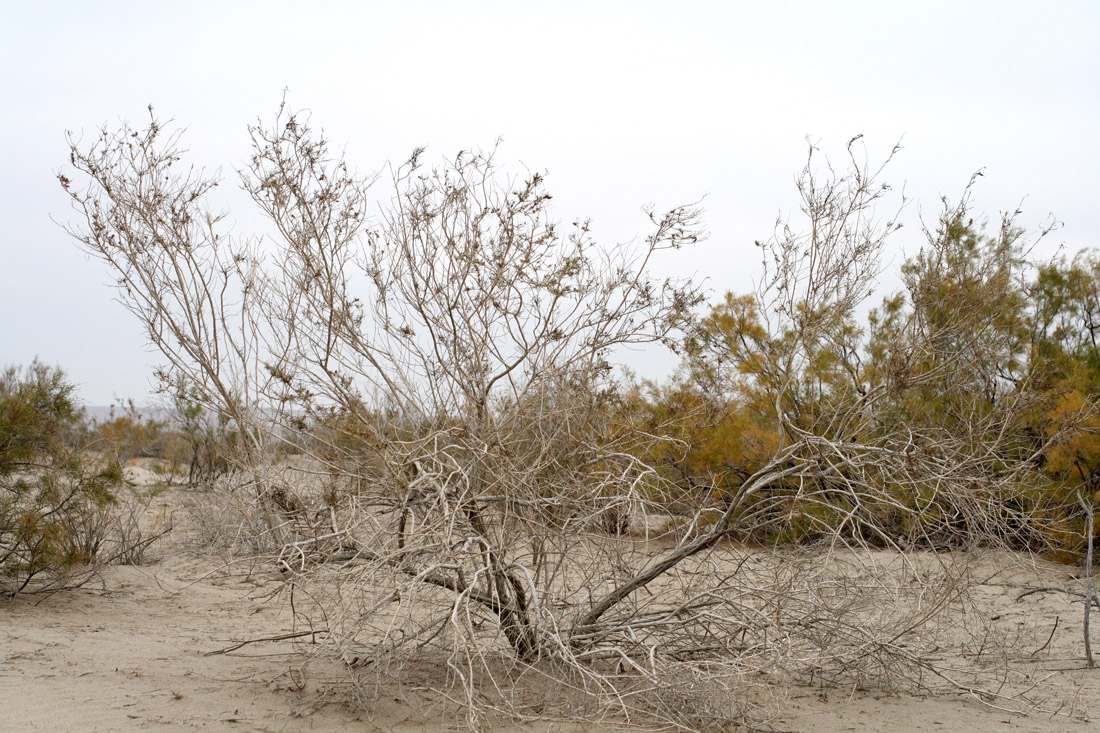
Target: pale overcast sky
x,y
623,103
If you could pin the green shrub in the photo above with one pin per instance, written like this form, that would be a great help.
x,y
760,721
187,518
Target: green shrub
x,y
49,485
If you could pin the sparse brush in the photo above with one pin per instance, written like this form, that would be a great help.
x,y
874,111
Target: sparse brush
x,y
470,485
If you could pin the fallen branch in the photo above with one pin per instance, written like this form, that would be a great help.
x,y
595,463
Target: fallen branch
x,y
280,637
1049,638
1052,589
1089,529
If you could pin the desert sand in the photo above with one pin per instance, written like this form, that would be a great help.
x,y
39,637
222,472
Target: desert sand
x,y
139,648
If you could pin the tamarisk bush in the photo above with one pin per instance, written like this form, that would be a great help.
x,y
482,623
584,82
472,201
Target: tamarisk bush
x,y
50,487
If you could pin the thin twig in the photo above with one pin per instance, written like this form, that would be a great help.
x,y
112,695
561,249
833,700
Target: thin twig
x,y
280,637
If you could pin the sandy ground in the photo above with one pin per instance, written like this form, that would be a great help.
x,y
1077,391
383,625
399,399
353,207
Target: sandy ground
x,y
133,658
132,651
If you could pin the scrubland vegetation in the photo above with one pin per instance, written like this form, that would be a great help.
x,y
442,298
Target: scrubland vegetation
x,y
410,409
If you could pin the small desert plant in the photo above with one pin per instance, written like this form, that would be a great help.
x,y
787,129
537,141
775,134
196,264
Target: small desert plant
x,y
222,519
119,533
130,432
208,438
